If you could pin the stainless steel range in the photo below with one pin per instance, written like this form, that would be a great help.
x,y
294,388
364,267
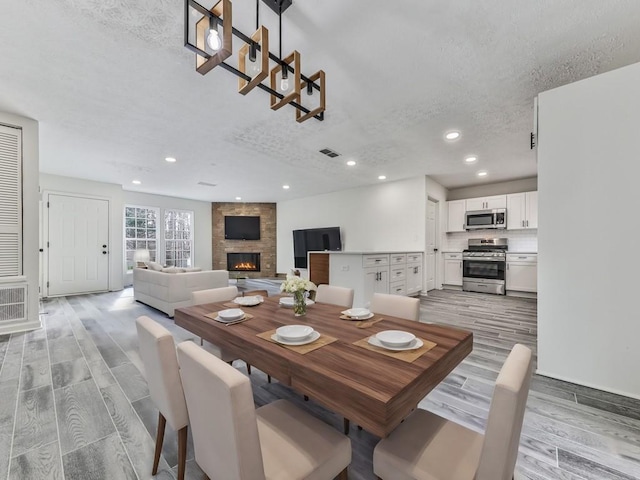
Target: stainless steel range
x,y
484,264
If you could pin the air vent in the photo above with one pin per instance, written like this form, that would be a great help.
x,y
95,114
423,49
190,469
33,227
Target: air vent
x,y
13,303
207,184
329,153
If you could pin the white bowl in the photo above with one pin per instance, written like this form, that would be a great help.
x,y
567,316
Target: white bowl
x,y
294,333
357,312
231,314
288,302
395,338
249,301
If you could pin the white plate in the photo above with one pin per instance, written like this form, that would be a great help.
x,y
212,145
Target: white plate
x,y
231,314
222,320
371,315
416,343
288,302
249,301
294,333
358,313
312,338
395,338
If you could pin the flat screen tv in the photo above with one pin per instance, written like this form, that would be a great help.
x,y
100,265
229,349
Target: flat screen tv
x,y
314,240
242,228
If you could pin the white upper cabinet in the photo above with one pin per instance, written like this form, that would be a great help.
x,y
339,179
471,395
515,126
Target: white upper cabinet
x,y
487,203
455,215
522,210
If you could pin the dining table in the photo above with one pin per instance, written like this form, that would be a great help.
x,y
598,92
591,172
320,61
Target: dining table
x,y
374,388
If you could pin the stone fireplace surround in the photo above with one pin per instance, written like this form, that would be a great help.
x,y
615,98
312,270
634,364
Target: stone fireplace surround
x,y
266,246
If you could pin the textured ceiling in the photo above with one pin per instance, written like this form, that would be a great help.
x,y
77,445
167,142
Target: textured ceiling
x,y
115,91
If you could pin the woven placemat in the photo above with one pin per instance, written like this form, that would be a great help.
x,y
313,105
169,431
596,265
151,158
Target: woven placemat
x,y
213,315
408,356
309,347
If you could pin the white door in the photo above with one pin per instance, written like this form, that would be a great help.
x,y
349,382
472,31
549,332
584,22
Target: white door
x,y
77,245
431,245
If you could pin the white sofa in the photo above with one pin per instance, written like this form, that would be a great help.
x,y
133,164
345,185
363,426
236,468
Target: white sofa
x,y
168,291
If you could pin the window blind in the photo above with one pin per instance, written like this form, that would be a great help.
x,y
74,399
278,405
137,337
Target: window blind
x,y
10,201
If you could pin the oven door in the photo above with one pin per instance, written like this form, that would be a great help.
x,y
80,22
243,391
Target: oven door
x,y
483,268
480,219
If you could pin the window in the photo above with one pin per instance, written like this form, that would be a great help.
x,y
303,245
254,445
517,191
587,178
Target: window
x,y
140,225
178,238
170,242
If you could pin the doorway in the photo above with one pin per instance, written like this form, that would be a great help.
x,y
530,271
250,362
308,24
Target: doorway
x,y
77,244
431,246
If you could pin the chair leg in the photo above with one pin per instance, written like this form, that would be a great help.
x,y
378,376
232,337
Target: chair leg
x,y
359,427
201,341
248,369
306,399
162,422
345,422
269,378
182,451
343,475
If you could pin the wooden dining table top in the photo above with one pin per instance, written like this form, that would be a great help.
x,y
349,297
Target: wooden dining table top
x,y
369,388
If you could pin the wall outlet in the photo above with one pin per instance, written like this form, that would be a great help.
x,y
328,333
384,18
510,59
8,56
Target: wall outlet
x,y
345,268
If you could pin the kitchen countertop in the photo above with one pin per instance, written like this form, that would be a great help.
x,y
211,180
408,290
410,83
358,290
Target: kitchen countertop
x,y
521,253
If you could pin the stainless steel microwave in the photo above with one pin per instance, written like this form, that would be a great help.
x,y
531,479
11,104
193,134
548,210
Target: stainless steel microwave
x,y
481,219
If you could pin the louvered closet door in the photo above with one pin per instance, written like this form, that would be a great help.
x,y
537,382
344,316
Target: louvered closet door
x,y
10,201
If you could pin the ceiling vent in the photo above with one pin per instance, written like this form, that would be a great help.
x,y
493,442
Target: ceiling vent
x,y
207,184
329,153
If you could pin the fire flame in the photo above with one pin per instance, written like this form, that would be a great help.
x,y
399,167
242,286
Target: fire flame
x,y
244,266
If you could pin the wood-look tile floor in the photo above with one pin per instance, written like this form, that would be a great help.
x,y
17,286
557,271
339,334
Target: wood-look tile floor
x,y
74,403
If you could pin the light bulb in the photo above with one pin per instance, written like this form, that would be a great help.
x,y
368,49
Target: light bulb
x,y
254,69
284,84
213,40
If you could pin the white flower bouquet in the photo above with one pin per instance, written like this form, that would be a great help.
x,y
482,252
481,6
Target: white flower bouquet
x,y
295,284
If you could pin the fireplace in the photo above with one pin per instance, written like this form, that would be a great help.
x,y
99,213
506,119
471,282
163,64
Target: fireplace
x,y
243,262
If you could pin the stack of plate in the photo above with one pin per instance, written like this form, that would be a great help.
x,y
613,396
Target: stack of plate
x,y
295,335
288,302
396,340
249,301
358,313
230,315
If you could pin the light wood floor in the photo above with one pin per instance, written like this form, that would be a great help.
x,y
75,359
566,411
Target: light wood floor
x,y
74,405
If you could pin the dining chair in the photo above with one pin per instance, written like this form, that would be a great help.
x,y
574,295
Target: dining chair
x,y
341,296
158,354
396,306
252,293
234,440
213,295
426,446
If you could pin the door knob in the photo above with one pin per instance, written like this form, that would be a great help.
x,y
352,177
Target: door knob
x,y
104,246
104,252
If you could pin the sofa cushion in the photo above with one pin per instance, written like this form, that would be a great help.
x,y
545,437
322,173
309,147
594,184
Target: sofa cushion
x,y
192,269
173,270
154,266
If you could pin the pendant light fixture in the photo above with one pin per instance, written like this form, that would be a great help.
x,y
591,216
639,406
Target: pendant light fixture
x,y
208,33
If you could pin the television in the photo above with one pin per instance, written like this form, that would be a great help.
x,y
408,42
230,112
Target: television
x,y
241,228
314,240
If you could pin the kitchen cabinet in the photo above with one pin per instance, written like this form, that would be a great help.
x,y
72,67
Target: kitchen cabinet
x,y
453,269
368,273
486,203
522,272
455,215
522,211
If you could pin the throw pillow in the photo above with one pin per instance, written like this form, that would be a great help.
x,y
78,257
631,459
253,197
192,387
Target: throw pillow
x,y
192,269
173,270
154,266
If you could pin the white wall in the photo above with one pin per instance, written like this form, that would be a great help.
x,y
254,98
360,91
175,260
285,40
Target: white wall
x,y
110,191
31,255
437,192
202,254
588,315
387,216
500,188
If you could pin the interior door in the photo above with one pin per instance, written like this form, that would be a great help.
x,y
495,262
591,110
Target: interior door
x,y
431,244
77,245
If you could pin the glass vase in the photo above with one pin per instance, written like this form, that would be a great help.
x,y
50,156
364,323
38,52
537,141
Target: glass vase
x,y
299,303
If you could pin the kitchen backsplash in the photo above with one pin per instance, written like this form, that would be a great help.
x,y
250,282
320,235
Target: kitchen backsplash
x,y
519,240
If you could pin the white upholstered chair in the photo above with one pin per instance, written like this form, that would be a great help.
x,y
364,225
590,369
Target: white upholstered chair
x,y
341,296
234,440
427,446
158,354
396,306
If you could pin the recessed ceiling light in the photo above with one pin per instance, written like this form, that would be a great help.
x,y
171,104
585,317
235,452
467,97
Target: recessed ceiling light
x,y
136,182
471,159
382,177
351,163
482,173
453,135
170,159
238,198
286,187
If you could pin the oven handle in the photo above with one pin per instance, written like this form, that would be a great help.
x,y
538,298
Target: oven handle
x,y
483,259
